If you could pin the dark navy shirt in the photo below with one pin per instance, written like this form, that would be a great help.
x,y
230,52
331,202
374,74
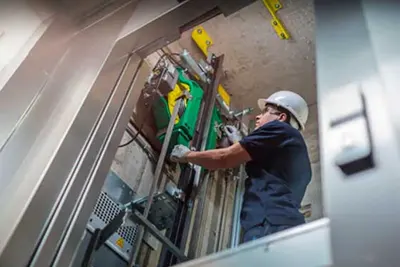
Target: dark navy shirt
x,y
278,175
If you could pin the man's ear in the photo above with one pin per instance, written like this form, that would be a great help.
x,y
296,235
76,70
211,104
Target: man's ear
x,y
283,117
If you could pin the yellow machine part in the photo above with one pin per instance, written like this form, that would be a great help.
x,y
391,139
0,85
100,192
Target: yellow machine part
x,y
273,6
204,41
224,95
173,95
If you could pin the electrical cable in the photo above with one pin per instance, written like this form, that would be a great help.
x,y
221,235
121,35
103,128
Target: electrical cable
x,y
133,137
173,60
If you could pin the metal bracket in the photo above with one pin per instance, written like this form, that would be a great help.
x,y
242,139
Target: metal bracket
x,y
204,41
273,6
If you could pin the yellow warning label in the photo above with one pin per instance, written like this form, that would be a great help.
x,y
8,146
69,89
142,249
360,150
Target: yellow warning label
x,y
120,242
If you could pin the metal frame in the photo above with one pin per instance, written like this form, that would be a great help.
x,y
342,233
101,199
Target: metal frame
x,y
305,245
67,131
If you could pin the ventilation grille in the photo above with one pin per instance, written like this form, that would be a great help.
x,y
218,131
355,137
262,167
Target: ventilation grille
x,y
106,210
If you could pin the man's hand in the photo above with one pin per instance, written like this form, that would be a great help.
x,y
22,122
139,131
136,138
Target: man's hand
x,y
179,154
233,134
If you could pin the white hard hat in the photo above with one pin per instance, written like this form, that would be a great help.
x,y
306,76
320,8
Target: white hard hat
x,y
293,103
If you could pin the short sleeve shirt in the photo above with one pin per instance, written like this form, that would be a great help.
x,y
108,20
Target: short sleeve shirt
x,y
278,175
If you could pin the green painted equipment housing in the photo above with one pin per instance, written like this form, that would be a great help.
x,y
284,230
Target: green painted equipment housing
x,y
185,127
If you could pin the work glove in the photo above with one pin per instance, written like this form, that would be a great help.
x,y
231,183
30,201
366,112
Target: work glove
x,y
233,134
179,154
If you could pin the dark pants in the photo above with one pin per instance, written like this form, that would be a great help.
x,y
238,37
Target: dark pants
x,y
262,230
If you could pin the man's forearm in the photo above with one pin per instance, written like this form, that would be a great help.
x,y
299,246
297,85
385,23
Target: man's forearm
x,y
209,159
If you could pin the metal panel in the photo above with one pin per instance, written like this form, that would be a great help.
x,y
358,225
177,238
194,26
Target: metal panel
x,y
54,147
104,257
17,96
381,21
115,193
104,211
352,52
305,245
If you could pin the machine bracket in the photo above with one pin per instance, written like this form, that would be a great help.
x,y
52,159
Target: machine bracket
x,y
204,41
273,6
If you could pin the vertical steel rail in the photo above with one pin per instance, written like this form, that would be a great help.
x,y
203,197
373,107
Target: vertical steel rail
x,y
201,198
157,176
235,237
224,215
179,232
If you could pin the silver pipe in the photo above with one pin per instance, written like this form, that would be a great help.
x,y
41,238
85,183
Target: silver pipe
x,y
237,206
157,176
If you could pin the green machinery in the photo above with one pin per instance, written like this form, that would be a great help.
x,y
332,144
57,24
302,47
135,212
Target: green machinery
x,y
185,124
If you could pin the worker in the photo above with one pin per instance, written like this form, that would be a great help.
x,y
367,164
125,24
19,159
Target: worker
x,y
277,164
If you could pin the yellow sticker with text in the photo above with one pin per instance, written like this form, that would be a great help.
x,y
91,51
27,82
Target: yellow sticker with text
x,y
120,242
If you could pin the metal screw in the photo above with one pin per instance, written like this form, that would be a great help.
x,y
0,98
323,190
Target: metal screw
x,y
277,6
275,23
199,31
208,42
283,35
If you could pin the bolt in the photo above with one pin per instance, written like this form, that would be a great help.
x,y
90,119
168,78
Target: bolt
x,y
283,35
199,31
208,42
275,23
277,6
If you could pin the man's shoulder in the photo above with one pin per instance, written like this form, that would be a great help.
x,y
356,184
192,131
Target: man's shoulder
x,y
282,127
